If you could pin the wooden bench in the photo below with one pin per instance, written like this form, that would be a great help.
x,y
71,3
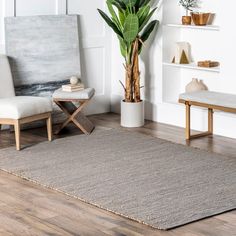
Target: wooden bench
x,y
210,100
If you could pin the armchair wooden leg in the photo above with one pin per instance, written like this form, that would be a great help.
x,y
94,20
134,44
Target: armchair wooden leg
x,y
188,122
49,128
210,121
17,134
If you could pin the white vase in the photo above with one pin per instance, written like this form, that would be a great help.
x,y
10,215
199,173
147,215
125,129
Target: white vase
x,y
132,114
204,87
195,85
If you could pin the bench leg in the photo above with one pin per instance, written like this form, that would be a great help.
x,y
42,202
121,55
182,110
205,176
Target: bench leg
x,y
188,124
210,121
188,121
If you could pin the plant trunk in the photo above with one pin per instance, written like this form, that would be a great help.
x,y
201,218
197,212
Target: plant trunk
x,y
132,82
128,84
136,74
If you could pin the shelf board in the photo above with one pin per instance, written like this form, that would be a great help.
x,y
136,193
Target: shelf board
x,y
193,67
207,27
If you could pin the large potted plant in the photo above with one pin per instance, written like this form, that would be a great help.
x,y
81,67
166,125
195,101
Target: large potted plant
x,y
130,20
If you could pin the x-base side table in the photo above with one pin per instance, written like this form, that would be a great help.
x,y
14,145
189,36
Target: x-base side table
x,y
67,100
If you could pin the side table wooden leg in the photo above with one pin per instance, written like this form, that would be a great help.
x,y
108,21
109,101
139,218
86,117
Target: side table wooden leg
x,y
63,125
82,122
75,115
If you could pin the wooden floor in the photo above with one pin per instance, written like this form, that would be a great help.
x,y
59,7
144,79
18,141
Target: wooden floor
x,y
29,209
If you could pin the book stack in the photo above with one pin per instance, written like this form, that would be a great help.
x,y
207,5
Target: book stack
x,y
72,87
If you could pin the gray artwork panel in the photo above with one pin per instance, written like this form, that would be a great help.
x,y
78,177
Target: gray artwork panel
x,y
44,52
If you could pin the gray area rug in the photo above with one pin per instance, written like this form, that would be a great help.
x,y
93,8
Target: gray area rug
x,y
150,180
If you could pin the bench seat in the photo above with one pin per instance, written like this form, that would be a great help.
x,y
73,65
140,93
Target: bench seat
x,y
211,98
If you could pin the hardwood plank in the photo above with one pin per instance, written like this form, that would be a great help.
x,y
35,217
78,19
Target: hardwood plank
x,y
19,223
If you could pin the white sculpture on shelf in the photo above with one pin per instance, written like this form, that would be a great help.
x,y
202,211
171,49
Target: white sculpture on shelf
x,y
182,53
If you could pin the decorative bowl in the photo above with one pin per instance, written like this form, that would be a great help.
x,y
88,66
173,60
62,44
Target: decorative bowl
x,y
200,18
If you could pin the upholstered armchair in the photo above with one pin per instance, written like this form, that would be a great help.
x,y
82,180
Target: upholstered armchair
x,y
18,110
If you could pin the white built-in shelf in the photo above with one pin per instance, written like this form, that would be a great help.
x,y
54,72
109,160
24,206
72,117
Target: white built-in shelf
x,y
207,27
193,66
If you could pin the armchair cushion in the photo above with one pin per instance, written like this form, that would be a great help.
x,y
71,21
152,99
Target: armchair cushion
x,y
24,106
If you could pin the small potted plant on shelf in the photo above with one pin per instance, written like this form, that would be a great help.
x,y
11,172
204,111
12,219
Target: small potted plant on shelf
x,y
188,5
130,21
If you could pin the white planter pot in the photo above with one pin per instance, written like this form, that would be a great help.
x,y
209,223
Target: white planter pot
x,y
132,114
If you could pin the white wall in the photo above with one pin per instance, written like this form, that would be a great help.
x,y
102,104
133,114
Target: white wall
x,y
219,46
95,37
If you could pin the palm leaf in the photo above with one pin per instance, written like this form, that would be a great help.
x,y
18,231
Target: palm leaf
x,y
144,2
110,23
123,47
147,19
148,30
113,14
131,28
122,17
129,3
143,13
119,4
137,5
